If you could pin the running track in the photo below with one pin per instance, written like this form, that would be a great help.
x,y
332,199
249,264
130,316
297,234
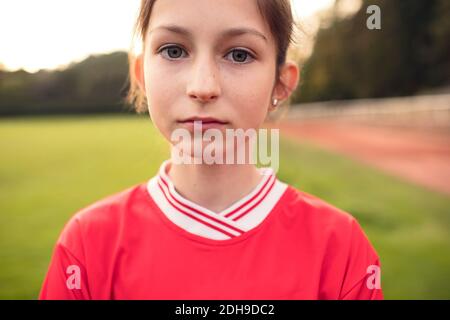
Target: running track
x,y
417,155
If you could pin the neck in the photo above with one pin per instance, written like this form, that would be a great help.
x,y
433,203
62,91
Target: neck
x,y
215,187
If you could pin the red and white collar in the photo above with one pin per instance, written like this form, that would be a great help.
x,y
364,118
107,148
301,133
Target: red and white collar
x,y
242,216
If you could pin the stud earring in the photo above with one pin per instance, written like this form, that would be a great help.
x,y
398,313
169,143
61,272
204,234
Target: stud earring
x,y
275,102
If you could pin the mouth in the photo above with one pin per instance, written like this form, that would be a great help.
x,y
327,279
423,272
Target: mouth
x,y
204,120
203,123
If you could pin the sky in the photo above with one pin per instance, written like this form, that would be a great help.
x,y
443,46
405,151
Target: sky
x,y
49,34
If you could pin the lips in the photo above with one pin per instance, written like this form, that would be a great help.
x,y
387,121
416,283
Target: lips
x,y
206,123
204,120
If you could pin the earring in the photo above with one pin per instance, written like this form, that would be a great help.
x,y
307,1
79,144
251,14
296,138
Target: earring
x,y
275,102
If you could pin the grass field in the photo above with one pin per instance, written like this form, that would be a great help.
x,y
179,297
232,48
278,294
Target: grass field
x,y
51,167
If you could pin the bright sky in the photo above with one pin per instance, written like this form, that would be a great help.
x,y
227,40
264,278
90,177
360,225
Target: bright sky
x,y
52,33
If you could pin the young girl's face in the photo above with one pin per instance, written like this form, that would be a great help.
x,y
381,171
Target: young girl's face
x,y
208,59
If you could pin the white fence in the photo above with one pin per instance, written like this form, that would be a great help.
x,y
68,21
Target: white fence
x,y
425,111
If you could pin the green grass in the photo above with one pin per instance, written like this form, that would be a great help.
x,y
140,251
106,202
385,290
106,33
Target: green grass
x,y
408,225
51,167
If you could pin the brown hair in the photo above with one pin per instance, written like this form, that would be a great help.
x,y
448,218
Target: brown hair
x,y
277,14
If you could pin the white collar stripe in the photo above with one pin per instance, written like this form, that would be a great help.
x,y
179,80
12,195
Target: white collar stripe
x,y
218,225
241,217
204,214
233,210
260,196
249,201
199,220
181,200
257,203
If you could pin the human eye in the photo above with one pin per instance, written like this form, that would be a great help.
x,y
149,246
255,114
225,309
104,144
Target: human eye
x,y
171,52
241,56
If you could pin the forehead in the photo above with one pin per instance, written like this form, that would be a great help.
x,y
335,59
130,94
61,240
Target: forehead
x,y
209,18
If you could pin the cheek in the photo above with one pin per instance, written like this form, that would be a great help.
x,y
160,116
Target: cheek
x,y
159,97
251,96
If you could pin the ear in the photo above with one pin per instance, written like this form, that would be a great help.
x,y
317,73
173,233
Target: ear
x,y
289,78
139,72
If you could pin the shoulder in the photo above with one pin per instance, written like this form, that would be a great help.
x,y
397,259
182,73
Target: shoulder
x,y
102,219
307,208
335,236
324,223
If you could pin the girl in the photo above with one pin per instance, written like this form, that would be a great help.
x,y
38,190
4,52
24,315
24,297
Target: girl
x,y
212,231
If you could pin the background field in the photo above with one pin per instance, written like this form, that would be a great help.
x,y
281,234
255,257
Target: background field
x,y
51,167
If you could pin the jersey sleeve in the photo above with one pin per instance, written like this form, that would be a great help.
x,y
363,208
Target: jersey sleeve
x,y
362,279
366,289
66,278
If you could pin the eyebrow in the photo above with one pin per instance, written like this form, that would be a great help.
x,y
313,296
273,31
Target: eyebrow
x,y
233,32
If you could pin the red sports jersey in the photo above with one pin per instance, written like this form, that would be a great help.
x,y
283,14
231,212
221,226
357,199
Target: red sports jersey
x,y
149,242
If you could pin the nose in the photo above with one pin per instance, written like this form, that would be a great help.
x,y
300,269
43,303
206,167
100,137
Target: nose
x,y
203,85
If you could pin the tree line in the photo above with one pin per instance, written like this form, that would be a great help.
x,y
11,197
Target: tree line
x,y
409,54
95,85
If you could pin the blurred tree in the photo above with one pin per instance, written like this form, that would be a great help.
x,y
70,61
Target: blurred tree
x,y
410,53
97,84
